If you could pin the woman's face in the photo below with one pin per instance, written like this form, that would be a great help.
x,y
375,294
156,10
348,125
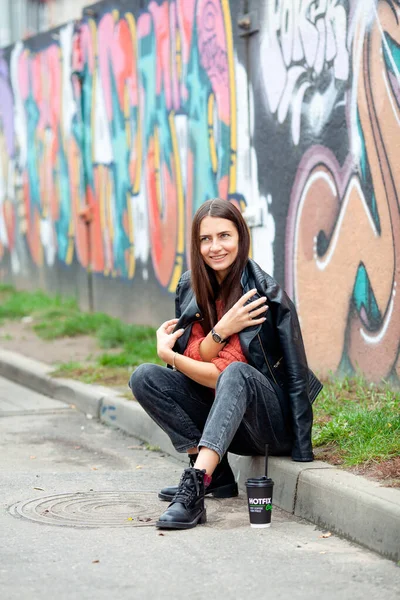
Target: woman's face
x,y
219,244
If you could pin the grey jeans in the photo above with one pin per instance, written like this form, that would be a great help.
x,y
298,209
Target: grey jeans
x,y
242,416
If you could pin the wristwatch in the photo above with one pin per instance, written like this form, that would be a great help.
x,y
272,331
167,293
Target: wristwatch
x,y
217,338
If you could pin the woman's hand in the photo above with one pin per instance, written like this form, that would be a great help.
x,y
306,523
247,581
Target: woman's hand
x,y
242,315
166,339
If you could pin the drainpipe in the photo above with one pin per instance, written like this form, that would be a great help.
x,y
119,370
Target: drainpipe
x,y
86,212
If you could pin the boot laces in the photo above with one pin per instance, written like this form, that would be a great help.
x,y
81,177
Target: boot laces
x,y
189,487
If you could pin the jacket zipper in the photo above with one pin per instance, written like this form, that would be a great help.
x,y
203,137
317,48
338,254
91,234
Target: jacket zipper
x,y
266,360
278,363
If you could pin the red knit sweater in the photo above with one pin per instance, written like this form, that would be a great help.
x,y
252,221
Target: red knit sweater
x,y
232,351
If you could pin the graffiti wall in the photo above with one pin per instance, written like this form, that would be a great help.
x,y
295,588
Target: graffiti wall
x,y
158,94
41,174
114,129
328,90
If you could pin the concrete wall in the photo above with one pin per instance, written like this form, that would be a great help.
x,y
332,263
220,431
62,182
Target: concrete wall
x,y
117,127
21,19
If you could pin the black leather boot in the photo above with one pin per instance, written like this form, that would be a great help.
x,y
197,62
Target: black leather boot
x,y
223,484
187,508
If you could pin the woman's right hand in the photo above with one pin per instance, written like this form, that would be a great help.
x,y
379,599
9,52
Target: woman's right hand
x,y
166,338
242,315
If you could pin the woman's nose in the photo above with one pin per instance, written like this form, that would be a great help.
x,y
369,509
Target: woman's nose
x,y
215,244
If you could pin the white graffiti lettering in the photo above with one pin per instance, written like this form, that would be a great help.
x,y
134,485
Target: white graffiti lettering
x,y
304,48
263,232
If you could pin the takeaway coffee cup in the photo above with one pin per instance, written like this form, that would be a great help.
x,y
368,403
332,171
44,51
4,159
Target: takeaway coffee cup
x,y
259,498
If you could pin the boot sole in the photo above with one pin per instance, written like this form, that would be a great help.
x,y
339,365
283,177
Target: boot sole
x,y
225,491
200,520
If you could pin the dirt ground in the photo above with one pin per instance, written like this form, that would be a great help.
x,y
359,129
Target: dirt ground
x,y
18,336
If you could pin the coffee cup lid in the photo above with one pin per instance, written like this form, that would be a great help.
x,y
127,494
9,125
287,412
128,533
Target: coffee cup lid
x,y
259,480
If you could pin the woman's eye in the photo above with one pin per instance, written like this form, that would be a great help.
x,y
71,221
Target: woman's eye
x,y
203,239
225,235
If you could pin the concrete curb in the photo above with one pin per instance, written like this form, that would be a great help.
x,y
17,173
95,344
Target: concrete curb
x,y
36,376
350,505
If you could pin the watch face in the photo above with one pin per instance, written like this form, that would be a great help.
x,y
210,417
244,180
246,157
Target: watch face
x,y
217,338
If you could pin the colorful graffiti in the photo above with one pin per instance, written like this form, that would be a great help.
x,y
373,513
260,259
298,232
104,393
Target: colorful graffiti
x,y
159,93
343,235
45,177
125,124
7,153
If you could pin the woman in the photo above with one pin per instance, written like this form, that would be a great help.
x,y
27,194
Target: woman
x,y
238,375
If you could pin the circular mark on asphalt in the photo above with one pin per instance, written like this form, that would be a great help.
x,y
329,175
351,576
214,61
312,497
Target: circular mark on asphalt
x,y
101,509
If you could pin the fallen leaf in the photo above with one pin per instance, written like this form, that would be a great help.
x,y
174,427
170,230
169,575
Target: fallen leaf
x,y
139,467
72,406
145,519
95,561
40,489
94,468
326,535
160,534
76,447
130,518
32,457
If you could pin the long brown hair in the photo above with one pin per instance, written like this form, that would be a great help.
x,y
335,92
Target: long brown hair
x,y
204,281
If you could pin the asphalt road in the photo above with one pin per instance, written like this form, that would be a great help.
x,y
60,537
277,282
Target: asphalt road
x,y
78,505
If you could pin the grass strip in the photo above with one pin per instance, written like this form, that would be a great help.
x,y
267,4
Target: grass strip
x,y
56,317
356,421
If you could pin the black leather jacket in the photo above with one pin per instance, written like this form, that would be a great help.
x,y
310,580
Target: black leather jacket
x,y
274,348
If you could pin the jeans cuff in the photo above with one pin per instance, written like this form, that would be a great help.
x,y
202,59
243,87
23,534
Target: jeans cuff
x,y
186,447
211,446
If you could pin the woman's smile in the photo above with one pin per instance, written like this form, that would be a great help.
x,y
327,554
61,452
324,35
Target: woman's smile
x,y
218,258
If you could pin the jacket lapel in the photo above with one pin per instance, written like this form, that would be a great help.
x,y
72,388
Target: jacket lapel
x,y
247,335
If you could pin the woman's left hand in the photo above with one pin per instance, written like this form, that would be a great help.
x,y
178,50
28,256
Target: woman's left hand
x,y
166,339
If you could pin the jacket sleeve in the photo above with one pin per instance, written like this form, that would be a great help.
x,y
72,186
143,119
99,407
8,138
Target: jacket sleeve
x,y
296,369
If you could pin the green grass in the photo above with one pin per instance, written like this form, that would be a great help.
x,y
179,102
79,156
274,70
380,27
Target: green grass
x,y
117,376
357,422
113,333
20,304
6,288
134,353
151,448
